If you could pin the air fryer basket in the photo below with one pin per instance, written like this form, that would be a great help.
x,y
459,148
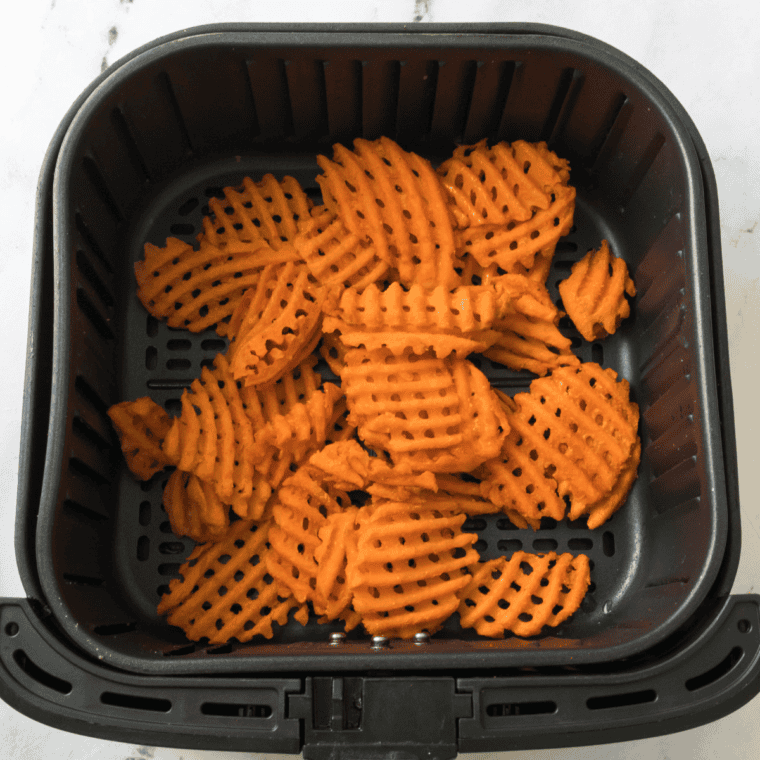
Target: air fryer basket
x,y
165,131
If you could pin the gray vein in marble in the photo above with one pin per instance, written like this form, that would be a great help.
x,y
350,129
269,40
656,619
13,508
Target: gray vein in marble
x,y
113,35
422,10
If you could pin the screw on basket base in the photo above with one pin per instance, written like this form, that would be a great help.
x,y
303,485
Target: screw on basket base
x,y
337,638
421,638
380,642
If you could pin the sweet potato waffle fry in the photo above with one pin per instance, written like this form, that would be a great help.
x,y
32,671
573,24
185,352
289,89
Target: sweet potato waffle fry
x,y
523,594
517,244
428,413
194,508
268,211
225,590
501,184
303,503
276,325
457,322
571,436
410,563
197,289
395,200
142,426
213,436
336,256
594,293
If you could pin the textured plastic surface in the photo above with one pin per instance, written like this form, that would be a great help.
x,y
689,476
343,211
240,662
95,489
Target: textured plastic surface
x,y
152,138
714,670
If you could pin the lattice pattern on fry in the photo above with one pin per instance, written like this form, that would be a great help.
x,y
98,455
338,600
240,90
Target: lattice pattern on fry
x,y
601,511
523,594
395,200
410,564
268,211
304,502
528,336
456,322
333,595
571,436
213,436
276,324
225,591
336,256
333,351
519,243
194,509
594,294
472,273
142,426
198,289
503,183
428,413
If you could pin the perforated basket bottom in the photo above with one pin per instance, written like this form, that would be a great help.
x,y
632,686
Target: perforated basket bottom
x,y
159,361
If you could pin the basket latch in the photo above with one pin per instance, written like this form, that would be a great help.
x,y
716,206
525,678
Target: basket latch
x,y
367,717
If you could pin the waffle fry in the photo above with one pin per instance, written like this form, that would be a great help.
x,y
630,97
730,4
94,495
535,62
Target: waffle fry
x,y
571,436
440,321
523,594
502,184
303,504
142,426
194,509
333,351
277,325
410,564
519,243
199,289
430,414
225,591
395,200
337,549
336,256
594,293
257,212
213,436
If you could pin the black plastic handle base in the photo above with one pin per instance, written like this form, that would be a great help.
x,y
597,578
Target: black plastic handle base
x,y
711,674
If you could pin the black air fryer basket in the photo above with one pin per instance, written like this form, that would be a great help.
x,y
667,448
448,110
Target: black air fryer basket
x,y
658,645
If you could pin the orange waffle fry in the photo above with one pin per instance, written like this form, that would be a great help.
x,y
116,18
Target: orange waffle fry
x,y
430,414
601,511
395,200
257,506
501,184
518,243
410,565
277,325
142,426
213,436
538,271
338,427
333,595
333,351
336,256
440,321
528,334
194,509
304,425
523,594
304,502
268,211
594,293
198,289
571,436
226,592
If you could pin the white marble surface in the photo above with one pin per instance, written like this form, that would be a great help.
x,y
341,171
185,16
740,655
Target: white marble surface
x,y
707,53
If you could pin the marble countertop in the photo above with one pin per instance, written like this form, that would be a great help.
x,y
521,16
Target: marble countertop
x,y
707,53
